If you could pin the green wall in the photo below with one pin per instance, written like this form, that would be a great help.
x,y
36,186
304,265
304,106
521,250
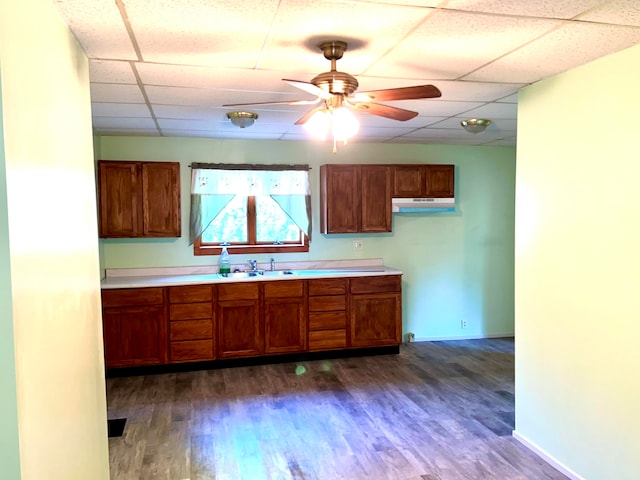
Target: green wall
x,y
9,449
52,387
456,265
578,268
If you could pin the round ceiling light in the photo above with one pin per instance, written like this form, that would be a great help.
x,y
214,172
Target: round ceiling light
x,y
242,119
475,125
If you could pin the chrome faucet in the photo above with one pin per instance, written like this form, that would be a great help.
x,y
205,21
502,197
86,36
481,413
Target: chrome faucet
x,y
254,265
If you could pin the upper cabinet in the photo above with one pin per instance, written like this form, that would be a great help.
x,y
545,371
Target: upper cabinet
x,y
423,181
139,199
355,198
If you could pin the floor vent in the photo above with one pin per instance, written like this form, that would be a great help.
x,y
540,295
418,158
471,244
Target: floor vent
x,y
115,427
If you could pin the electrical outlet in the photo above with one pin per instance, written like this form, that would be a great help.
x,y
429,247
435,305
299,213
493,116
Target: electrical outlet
x,y
463,323
411,337
358,244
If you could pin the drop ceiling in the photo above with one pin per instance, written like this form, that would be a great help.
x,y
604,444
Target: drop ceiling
x,y
166,67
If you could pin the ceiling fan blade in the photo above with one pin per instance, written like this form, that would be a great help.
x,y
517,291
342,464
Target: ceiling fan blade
x,y
305,118
386,111
309,87
291,102
402,93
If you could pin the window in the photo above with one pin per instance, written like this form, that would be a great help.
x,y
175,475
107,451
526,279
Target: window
x,y
253,208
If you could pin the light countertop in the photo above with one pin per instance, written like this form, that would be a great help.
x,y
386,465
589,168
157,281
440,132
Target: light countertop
x,y
172,276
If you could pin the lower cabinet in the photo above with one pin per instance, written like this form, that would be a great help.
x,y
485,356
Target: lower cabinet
x,y
134,327
151,326
239,322
327,314
285,319
191,323
375,311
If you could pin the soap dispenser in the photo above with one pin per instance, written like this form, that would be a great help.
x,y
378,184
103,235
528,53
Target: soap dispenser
x,y
224,263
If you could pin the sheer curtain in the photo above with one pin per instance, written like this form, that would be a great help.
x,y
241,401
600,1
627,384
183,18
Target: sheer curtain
x,y
213,186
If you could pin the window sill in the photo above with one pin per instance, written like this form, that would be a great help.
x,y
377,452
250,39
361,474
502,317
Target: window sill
x,y
249,249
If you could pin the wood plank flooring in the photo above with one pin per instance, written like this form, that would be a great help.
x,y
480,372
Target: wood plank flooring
x,y
436,411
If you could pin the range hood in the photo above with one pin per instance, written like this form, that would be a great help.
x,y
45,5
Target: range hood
x,y
423,205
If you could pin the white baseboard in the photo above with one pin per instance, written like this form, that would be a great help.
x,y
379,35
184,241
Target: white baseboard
x,y
465,337
546,457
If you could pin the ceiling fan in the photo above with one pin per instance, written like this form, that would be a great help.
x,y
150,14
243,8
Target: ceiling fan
x,y
337,89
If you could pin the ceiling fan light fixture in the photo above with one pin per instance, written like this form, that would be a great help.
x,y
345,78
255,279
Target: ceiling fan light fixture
x,y
475,125
242,119
319,124
344,124
340,123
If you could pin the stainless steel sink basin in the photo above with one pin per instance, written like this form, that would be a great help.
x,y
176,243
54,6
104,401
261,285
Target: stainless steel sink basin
x,y
258,273
278,273
239,275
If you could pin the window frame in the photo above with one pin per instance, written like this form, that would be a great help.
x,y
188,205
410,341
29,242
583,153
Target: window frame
x,y
302,245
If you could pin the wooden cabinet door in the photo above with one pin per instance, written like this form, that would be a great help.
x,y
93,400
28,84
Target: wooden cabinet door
x,y
135,336
119,199
355,198
285,316
340,200
139,199
409,181
285,325
376,320
160,199
440,181
375,198
239,328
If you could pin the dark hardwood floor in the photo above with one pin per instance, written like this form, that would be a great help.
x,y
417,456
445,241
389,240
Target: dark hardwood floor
x,y
436,411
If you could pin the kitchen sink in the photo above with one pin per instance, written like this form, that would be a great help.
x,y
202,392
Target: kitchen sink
x,y
239,274
257,273
281,273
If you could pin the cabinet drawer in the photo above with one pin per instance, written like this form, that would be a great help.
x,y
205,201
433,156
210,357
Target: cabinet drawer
x,y
383,283
191,294
328,339
238,291
190,330
327,286
188,311
132,297
287,288
327,304
192,351
327,320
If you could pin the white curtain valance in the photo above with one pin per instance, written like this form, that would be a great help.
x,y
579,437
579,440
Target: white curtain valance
x,y
213,187
249,182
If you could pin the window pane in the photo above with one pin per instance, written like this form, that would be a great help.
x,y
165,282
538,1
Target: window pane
x,y
272,223
230,225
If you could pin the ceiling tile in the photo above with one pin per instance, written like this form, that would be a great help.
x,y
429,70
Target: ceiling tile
x,y
106,71
99,27
234,79
115,93
572,45
449,45
494,110
370,29
120,122
539,8
621,12
119,109
128,131
201,32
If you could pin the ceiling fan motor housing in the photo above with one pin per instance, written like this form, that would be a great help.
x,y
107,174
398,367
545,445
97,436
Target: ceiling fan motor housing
x,y
336,82
333,81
